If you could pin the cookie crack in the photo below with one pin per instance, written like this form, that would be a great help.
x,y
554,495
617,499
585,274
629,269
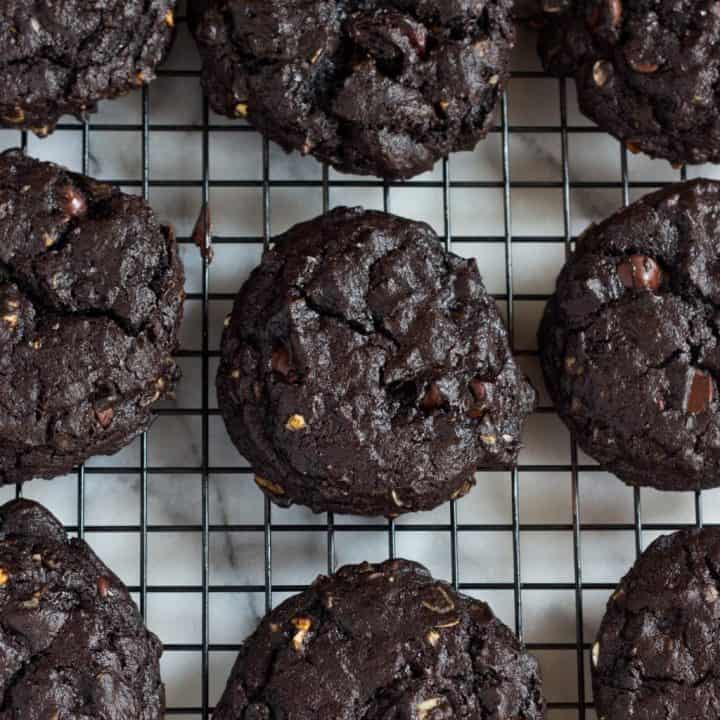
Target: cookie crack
x,y
9,275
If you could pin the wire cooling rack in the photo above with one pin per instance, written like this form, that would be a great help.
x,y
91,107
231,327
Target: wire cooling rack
x,y
541,559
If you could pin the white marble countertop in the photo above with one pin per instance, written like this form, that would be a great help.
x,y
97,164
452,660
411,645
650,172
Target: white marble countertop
x,y
237,558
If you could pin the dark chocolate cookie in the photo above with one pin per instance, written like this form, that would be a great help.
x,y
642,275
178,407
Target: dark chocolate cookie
x,y
366,370
382,641
62,57
72,642
91,294
645,71
379,87
658,648
630,340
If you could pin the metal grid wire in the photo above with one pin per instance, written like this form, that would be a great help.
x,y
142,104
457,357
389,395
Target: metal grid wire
x,y
332,526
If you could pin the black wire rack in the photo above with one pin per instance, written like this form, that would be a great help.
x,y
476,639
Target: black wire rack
x,y
271,523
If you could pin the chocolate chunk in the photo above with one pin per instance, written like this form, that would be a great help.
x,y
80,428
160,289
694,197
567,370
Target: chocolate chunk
x,y
640,272
433,398
701,391
103,586
477,387
104,415
72,202
388,34
615,9
202,233
280,362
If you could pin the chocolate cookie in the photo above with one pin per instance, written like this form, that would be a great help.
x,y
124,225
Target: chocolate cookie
x,y
72,642
91,294
629,342
382,641
62,57
645,71
658,648
378,87
365,370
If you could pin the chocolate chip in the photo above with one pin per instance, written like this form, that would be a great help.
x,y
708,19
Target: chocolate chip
x,y
104,416
477,388
640,272
103,586
700,392
280,361
202,233
479,392
72,202
433,399
612,9
644,68
387,35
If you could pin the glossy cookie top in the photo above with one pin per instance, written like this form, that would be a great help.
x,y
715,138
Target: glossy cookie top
x,y
62,57
380,641
657,650
91,295
385,87
645,71
72,643
364,369
630,340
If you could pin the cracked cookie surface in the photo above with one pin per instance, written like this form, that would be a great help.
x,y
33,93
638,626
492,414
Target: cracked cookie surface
x,y
72,642
91,294
657,651
62,57
645,71
630,342
380,87
382,641
364,369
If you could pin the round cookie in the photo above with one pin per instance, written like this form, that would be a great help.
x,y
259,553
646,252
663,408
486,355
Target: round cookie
x,y
658,647
382,641
629,341
72,642
62,57
91,295
379,87
645,71
365,370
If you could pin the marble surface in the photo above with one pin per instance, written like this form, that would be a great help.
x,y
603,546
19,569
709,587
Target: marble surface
x,y
112,496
